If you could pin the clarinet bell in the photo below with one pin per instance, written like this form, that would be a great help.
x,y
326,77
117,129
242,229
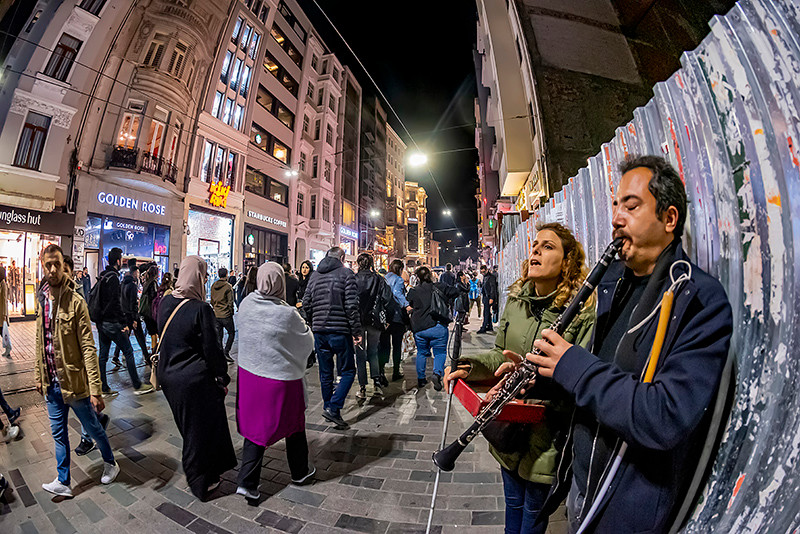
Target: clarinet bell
x,y
445,459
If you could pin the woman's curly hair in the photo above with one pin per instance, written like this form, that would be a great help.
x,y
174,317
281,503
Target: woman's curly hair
x,y
574,272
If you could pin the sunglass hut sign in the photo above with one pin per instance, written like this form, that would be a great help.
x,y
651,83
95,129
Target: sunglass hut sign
x,y
131,203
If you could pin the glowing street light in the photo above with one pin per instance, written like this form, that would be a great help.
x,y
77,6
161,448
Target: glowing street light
x,y
447,212
458,234
291,172
374,214
417,159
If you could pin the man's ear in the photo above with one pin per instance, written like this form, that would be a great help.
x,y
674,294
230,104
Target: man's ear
x,y
670,217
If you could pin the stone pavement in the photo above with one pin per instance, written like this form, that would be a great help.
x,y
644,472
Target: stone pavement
x,y
376,477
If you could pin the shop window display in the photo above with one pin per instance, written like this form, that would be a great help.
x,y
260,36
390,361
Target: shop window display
x,y
211,237
19,254
135,238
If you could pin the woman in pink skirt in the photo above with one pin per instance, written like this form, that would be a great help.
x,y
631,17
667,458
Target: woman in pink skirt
x,y
274,344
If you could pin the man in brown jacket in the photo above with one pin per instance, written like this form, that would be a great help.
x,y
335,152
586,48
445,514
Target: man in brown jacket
x,y
222,302
67,370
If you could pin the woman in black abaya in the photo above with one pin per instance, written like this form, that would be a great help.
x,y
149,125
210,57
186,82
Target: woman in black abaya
x,y
194,376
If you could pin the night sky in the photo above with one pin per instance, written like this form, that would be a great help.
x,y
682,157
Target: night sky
x,y
420,54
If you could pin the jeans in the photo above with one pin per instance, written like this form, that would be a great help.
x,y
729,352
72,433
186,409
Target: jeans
x,y
112,332
434,338
327,346
6,408
524,501
140,339
368,352
487,314
253,455
58,411
226,324
392,342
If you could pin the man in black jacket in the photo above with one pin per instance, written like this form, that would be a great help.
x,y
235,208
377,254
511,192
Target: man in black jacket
x,y
331,305
129,292
489,294
292,285
114,325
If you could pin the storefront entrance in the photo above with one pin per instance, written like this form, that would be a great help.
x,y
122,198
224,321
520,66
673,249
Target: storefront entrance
x,y
135,238
211,237
25,233
261,246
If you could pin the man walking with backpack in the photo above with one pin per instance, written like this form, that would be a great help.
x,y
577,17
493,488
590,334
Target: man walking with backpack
x,y
489,294
222,302
129,291
113,325
331,306
66,368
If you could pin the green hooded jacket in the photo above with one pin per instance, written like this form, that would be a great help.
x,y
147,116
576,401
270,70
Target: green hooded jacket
x,y
517,330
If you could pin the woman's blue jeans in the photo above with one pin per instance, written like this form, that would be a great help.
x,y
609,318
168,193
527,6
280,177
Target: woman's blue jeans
x,y
524,501
433,339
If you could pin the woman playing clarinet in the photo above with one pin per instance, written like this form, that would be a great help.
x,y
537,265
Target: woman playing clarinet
x,y
528,453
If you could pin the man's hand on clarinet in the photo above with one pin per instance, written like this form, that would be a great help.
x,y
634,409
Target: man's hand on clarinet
x,y
553,347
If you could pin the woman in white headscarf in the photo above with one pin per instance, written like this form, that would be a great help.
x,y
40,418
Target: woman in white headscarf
x,y
193,373
274,344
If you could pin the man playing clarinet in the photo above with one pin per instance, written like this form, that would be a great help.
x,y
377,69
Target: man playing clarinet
x,y
662,421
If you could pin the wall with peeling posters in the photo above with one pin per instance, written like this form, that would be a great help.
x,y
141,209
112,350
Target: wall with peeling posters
x,y
728,121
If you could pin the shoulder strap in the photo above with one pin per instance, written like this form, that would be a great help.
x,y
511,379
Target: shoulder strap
x,y
161,338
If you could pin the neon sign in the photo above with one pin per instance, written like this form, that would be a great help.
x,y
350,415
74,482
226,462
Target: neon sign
x,y
218,195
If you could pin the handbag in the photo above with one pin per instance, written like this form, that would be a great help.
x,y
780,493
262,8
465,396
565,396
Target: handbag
x,y
440,310
154,357
6,338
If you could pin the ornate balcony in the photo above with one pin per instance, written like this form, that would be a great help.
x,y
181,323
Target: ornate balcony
x,y
159,166
124,157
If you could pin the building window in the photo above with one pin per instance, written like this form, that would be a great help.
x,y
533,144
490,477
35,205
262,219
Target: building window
x,y
306,122
31,141
320,97
237,70
332,103
326,210
313,207
300,204
310,92
63,57
285,116
245,85
274,107
227,115
129,130
288,47
246,36
219,164
268,143
178,60
217,108
155,51
226,66
327,171
254,45
336,74
302,163
93,6
316,130
262,16
348,214
329,135
292,20
262,185
237,116
315,167
314,61
272,66
237,30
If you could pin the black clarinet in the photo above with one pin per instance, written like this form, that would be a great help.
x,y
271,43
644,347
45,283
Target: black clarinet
x,y
445,459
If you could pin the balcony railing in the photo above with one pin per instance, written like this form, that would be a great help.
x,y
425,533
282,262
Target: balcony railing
x,y
124,157
159,166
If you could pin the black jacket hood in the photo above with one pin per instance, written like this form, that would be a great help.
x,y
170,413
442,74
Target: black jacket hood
x,y
329,264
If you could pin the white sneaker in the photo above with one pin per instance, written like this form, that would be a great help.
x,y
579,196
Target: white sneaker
x,y
10,433
144,389
110,472
248,494
361,394
57,488
303,481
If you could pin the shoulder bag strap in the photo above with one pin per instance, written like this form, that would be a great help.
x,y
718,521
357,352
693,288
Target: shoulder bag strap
x,y
161,338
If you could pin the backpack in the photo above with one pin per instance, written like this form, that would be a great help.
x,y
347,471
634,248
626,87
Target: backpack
x,y
379,316
440,310
146,300
93,301
155,304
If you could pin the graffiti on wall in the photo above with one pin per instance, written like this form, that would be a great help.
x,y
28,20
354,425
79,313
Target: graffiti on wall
x,y
728,121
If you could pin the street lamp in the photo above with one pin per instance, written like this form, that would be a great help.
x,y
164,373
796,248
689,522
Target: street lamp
x,y
290,173
447,212
417,159
458,234
374,214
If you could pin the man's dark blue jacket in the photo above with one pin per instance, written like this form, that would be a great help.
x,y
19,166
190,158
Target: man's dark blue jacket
x,y
663,422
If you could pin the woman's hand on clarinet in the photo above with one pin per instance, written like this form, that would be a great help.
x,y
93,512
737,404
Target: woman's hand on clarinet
x,y
553,347
504,369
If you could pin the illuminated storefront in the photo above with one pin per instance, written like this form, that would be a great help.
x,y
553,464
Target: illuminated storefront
x,y
24,234
210,235
137,239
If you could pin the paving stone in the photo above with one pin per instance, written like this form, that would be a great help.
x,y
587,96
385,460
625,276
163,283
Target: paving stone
x,y
176,513
122,495
488,518
362,524
16,478
26,496
201,526
27,527
61,524
92,511
294,494
284,524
